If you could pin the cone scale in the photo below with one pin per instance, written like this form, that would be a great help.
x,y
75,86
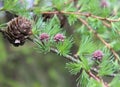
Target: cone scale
x,y
18,30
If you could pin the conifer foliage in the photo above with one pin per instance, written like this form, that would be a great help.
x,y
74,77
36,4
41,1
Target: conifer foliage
x,y
89,27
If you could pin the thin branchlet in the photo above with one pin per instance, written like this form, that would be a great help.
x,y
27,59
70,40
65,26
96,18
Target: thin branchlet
x,y
100,38
84,14
66,56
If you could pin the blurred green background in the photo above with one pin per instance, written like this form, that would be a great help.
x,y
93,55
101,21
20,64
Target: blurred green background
x,y
25,67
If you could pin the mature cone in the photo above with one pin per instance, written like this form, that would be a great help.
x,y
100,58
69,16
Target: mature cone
x,y
18,30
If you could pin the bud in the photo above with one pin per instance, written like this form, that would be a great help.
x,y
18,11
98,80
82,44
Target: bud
x,y
44,37
98,54
104,3
59,37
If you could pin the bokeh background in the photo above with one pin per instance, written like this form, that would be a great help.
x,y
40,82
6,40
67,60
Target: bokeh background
x,y
24,67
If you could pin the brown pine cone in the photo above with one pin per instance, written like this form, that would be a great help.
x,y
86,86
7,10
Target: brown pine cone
x,y
18,30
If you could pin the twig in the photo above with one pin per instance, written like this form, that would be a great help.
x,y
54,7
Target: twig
x,y
107,19
68,2
104,84
96,71
88,15
84,14
66,56
77,13
93,76
109,26
73,59
106,24
101,39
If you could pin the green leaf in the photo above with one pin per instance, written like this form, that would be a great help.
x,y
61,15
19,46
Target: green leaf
x,y
93,83
74,68
16,7
115,45
84,63
70,8
59,4
83,79
51,26
108,66
37,25
64,47
42,47
86,46
72,18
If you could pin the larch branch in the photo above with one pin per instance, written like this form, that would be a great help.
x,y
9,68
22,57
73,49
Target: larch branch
x,y
101,39
84,14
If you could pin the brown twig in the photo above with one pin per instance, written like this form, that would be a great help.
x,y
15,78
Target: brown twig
x,y
68,2
93,76
109,26
106,24
84,14
66,56
96,71
104,84
107,19
88,15
101,39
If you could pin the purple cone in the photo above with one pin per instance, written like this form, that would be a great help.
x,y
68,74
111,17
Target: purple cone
x,y
104,3
59,37
98,54
44,37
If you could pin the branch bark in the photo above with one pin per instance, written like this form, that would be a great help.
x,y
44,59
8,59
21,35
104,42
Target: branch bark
x,y
73,59
84,14
104,84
